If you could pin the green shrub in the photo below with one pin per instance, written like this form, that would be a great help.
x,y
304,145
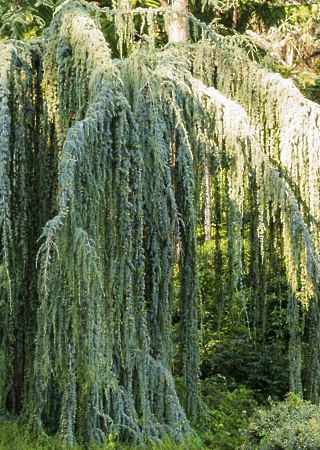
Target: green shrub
x,y
293,424
229,408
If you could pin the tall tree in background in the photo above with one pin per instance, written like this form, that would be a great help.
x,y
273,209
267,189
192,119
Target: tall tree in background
x,y
103,163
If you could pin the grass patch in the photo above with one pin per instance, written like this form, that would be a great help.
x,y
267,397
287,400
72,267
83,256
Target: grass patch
x,y
14,436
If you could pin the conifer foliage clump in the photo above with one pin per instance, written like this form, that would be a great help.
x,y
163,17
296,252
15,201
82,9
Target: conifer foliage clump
x,y
102,191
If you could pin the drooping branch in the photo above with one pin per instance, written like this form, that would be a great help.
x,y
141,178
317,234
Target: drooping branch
x,y
21,217
241,143
108,160
273,49
124,317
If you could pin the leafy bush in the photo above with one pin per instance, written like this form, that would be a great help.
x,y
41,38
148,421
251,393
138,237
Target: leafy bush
x,y
293,424
229,407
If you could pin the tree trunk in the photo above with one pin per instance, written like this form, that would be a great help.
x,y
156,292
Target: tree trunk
x,y
178,26
207,211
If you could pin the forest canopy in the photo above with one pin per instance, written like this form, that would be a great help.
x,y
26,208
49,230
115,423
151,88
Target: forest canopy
x,y
155,195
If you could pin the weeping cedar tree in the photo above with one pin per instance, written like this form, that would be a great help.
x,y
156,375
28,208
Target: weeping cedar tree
x,y
104,167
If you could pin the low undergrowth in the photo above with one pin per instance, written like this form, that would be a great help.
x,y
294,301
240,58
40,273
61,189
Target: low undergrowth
x,y
14,436
232,421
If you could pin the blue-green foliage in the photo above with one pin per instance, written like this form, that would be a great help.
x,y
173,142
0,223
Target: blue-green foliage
x,y
99,274
102,191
